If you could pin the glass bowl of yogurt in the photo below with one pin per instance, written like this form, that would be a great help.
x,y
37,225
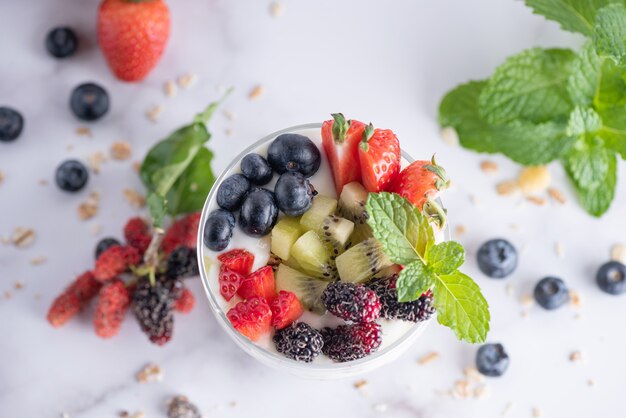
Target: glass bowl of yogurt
x,y
397,336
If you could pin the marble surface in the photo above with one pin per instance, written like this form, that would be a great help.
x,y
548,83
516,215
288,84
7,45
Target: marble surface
x,y
388,62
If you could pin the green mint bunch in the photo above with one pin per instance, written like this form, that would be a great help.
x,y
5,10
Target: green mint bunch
x,y
408,239
543,105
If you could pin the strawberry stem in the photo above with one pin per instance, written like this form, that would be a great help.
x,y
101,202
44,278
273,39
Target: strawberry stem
x,y
340,127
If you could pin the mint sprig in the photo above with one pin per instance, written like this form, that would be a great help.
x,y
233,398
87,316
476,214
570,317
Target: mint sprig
x,y
408,239
543,105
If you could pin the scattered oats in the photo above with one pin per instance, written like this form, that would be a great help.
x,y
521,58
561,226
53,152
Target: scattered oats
x,y
450,136
360,384
277,9
514,227
482,392
576,357
187,80
5,240
135,199
139,414
618,253
123,414
1,176
89,208
489,167
43,182
256,92
95,160
462,389
509,289
428,358
539,201
459,230
7,295
228,132
84,131
507,188
228,114
37,261
95,229
591,382
557,195
473,375
507,408
169,88
23,237
381,407
534,179
537,413
136,166
527,300
121,150
69,147
575,299
151,373
154,113
18,285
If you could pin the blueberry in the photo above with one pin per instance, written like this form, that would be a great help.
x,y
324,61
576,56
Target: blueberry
x,y
104,244
293,152
72,176
89,101
218,229
551,293
61,42
232,192
11,124
294,193
258,213
611,278
256,169
497,258
492,360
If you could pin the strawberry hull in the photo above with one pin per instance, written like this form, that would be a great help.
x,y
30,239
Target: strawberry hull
x,y
342,151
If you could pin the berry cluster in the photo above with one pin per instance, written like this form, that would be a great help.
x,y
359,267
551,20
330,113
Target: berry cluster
x,y
122,281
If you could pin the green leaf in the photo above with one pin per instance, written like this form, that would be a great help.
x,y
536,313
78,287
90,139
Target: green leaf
x,y
614,130
461,307
446,257
156,206
573,15
593,170
399,226
193,186
611,89
585,76
531,86
583,121
414,280
609,32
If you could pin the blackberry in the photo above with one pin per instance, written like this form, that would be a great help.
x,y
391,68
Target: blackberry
x,y
299,341
153,307
182,263
180,407
415,311
104,244
351,342
351,302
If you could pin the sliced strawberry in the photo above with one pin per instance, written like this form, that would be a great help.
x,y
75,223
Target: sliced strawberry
x,y
379,155
260,283
420,183
340,138
229,281
238,260
252,317
286,308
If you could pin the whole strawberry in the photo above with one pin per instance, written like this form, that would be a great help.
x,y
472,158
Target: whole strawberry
x,y
133,35
73,299
379,154
113,302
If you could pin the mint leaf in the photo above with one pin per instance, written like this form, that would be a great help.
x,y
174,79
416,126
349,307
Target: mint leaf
x,y
446,257
593,170
585,76
614,130
192,187
609,32
461,307
611,90
583,121
156,206
531,86
573,15
399,226
414,280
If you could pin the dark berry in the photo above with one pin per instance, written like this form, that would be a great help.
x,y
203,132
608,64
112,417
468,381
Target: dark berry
x,y
71,176
415,311
497,258
61,42
611,278
299,341
293,152
492,360
89,102
294,193
351,342
104,244
180,407
258,213
551,293
153,306
351,302
11,124
232,192
182,263
256,169
218,229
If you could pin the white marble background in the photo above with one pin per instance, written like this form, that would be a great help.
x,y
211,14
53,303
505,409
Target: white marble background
x,y
384,61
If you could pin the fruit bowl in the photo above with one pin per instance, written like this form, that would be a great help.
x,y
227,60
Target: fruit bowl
x,y
397,335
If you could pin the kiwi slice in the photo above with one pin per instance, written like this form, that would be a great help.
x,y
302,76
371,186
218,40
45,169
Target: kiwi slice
x,y
322,207
335,233
351,206
361,262
284,235
313,256
306,288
